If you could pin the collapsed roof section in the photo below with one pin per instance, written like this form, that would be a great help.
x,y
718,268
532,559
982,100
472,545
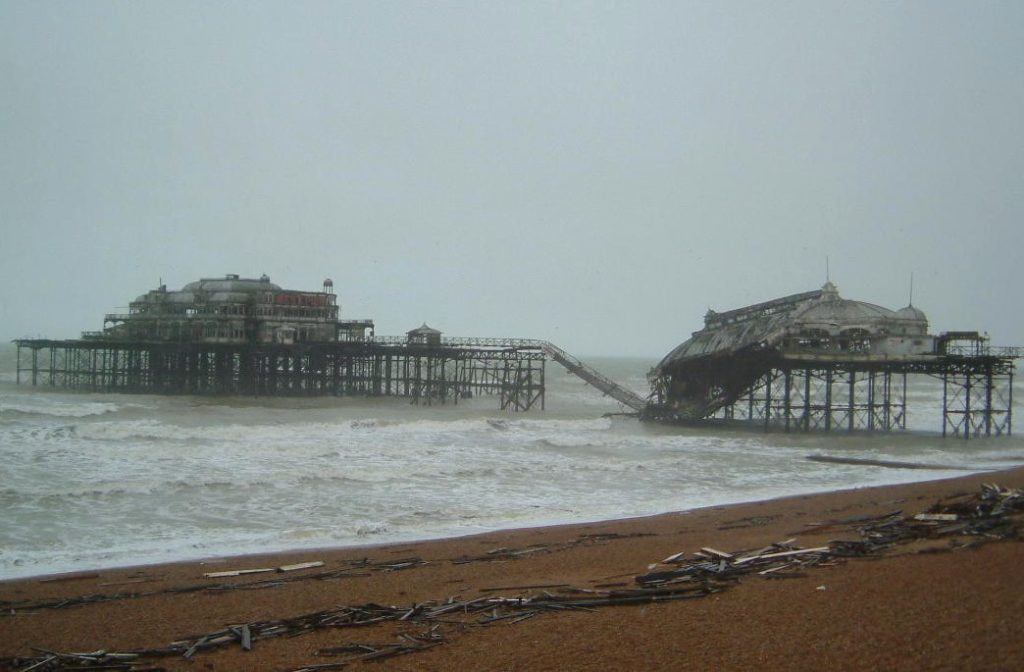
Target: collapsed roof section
x,y
735,347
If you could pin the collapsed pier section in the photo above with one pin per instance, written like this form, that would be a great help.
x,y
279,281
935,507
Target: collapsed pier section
x,y
426,373
817,361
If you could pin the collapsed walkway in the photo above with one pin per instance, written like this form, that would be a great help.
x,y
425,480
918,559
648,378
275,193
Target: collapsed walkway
x,y
596,379
591,376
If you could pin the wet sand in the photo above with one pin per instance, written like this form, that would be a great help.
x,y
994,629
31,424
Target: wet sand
x,y
957,609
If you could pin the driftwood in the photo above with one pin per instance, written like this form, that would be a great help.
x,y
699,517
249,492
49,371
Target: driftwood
x,y
236,572
514,553
351,569
477,612
995,513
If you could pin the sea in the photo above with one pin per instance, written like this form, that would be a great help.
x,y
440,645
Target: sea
x,y
99,480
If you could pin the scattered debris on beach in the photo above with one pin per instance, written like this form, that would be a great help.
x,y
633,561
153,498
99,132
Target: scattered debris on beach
x,y
352,569
357,568
966,520
513,553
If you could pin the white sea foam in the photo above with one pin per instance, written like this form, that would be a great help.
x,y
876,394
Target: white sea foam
x,y
38,404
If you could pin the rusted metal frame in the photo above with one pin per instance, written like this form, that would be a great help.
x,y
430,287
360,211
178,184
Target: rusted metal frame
x,y
131,369
861,398
339,371
509,393
104,368
543,365
838,405
979,376
465,373
518,389
880,400
750,405
1009,404
807,399
988,399
828,398
117,368
61,368
787,400
430,376
534,393
884,411
967,406
996,399
777,410
65,374
902,418
780,399
817,396
117,373
886,402
851,392
51,378
951,397
269,377
872,375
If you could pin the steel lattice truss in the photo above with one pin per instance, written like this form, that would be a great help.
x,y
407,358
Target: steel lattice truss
x,y
977,397
424,374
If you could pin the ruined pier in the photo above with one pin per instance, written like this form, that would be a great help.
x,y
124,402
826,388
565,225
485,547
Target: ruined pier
x,y
818,362
445,371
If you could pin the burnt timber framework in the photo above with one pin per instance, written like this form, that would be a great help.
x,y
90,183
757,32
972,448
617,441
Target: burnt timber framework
x,y
426,374
797,394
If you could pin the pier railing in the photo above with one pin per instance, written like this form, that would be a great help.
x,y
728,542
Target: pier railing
x,y
985,351
467,342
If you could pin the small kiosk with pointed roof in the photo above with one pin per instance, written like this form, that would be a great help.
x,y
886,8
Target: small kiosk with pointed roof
x,y
424,335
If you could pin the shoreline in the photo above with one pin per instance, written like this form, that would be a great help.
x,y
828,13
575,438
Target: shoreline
x,y
908,610
947,473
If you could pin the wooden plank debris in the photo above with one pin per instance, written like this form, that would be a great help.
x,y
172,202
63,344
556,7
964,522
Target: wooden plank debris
x,y
64,578
715,553
300,565
245,637
943,517
536,586
237,572
782,554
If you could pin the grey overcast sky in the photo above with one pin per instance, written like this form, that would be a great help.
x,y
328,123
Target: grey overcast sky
x,y
594,173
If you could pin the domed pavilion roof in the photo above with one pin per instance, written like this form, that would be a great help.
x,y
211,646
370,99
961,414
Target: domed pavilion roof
x,y
770,322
